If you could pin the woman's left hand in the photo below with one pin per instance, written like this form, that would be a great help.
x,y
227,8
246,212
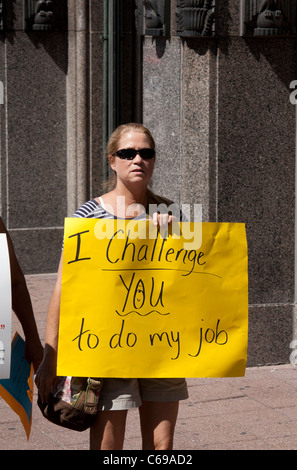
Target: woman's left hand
x,y
163,220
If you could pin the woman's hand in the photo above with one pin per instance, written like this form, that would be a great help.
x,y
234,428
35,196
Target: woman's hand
x,y
34,352
46,374
163,220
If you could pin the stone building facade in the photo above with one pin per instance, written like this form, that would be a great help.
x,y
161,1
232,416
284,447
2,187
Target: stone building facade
x,y
210,78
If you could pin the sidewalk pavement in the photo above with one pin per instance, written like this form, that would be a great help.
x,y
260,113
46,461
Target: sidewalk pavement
x,y
256,412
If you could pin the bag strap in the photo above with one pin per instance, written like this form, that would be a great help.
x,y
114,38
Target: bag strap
x,y
92,391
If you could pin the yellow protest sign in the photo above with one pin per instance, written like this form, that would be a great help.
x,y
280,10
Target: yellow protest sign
x,y
137,303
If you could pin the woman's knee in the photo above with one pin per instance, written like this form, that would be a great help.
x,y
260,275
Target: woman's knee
x,y
108,432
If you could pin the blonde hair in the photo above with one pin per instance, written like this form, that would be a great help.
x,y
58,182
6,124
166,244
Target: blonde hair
x,y
123,129
112,145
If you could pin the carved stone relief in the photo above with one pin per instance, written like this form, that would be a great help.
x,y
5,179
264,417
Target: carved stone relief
x,y
2,12
153,17
268,17
45,15
195,18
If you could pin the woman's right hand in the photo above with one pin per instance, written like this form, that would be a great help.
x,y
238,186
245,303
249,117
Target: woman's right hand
x,y
46,373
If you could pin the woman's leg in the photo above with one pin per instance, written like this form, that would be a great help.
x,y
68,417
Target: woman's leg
x,y
108,432
157,420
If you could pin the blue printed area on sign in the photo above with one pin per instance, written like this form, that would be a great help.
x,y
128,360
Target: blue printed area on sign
x,y
17,385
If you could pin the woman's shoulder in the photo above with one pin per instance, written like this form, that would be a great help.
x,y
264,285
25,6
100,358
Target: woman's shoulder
x,y
90,209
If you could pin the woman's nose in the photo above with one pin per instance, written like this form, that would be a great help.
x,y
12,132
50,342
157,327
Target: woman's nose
x,y
137,158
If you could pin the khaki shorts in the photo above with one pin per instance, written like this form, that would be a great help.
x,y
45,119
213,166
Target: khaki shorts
x,y
124,394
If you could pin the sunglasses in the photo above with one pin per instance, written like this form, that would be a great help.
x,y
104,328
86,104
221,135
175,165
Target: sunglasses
x,y
130,154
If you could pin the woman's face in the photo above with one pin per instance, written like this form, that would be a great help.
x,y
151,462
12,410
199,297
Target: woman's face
x,y
136,171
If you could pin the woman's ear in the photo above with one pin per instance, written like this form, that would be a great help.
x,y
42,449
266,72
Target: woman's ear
x,y
111,160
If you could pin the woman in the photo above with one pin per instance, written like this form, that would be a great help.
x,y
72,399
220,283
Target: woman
x,y
131,154
22,306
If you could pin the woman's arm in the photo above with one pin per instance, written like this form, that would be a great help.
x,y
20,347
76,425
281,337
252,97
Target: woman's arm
x,y
46,373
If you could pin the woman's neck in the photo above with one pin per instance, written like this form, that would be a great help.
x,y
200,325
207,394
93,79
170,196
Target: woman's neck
x,y
132,197
125,203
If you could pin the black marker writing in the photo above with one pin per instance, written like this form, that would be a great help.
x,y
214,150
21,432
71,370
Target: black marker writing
x,y
90,345
117,339
157,253
170,339
77,258
123,339
136,293
211,336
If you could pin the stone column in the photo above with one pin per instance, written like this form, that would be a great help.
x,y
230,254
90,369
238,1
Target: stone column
x,y
77,105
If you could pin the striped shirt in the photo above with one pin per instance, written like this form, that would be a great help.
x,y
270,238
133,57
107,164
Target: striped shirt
x,y
93,210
